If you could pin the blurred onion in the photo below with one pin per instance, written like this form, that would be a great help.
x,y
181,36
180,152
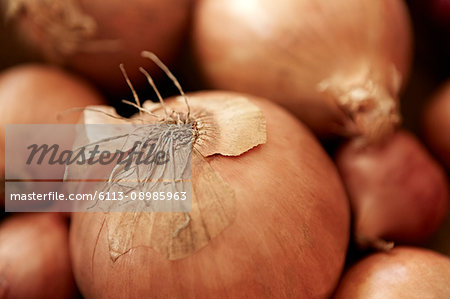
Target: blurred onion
x,y
34,257
338,65
404,272
397,190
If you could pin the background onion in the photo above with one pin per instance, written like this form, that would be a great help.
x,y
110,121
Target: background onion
x,y
397,191
436,124
404,272
338,65
36,94
34,257
289,237
94,37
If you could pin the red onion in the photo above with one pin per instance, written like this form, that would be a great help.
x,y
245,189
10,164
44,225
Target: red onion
x,y
397,190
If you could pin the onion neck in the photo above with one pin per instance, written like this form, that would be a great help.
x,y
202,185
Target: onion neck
x,y
368,109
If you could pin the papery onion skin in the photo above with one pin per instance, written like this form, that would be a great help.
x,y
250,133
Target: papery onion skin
x,y
338,65
289,237
436,124
34,257
38,94
398,192
402,273
118,32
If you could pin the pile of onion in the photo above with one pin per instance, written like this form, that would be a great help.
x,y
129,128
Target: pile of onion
x,y
338,65
93,37
36,94
404,272
398,192
34,257
436,124
269,214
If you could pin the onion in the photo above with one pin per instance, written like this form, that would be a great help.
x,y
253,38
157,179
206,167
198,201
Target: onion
x,y
34,257
436,123
35,94
397,191
404,272
287,218
337,65
94,37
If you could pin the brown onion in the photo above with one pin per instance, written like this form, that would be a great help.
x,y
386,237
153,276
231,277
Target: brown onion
x,y
436,123
37,94
404,272
288,238
338,65
34,257
94,37
397,191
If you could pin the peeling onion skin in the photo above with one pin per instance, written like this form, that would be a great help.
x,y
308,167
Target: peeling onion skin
x,y
398,192
284,50
436,124
36,94
402,273
289,238
34,257
134,25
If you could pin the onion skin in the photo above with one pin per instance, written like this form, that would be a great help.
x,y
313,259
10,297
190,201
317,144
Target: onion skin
x,y
289,237
34,257
286,51
436,124
404,272
36,94
396,189
126,28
